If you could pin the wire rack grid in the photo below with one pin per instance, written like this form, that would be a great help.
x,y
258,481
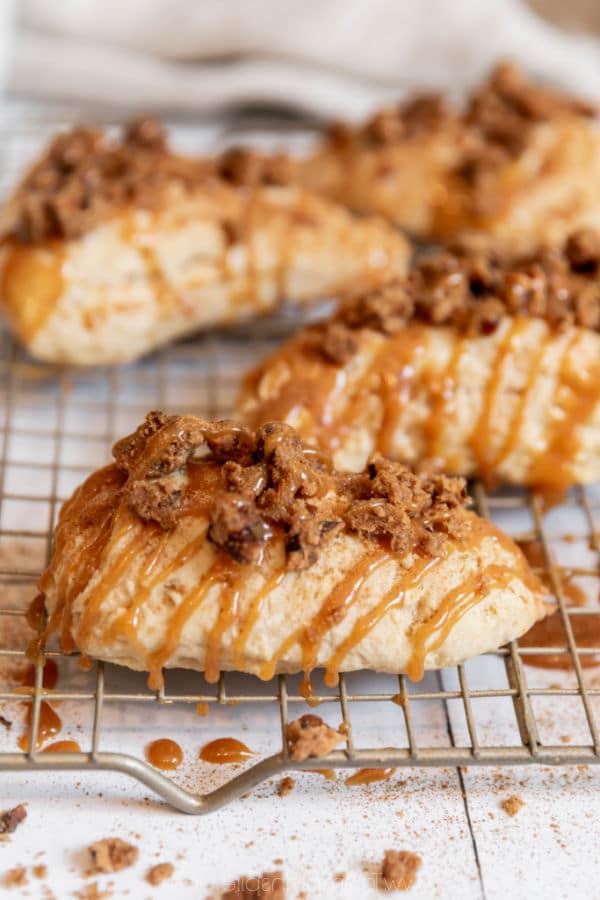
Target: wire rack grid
x,y
58,425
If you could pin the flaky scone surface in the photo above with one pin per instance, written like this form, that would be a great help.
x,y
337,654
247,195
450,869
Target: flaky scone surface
x,y
213,547
476,364
112,248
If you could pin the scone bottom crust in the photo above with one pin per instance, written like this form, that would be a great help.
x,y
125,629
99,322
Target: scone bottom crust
x,y
261,492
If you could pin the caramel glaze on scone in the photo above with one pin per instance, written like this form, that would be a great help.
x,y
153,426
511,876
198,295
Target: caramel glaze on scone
x,y
110,248
474,364
520,163
212,547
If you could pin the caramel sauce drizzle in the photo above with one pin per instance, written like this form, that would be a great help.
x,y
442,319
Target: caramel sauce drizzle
x,y
31,284
368,776
225,750
62,747
164,754
49,725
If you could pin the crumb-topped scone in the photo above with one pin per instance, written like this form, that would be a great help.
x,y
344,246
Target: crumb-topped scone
x,y
209,546
520,163
476,364
109,248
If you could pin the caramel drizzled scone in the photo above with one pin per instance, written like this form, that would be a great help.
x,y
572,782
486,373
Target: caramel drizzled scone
x,y
520,163
480,365
213,547
110,248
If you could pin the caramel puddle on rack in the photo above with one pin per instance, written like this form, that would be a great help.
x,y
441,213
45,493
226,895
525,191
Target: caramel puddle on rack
x,y
62,747
49,725
329,774
368,776
550,632
225,750
164,754
202,709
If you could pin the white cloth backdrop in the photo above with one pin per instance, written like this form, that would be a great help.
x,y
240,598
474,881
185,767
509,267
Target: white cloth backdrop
x,y
327,57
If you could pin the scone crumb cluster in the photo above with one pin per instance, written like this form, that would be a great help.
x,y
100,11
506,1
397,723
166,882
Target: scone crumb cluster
x,y
270,480
473,290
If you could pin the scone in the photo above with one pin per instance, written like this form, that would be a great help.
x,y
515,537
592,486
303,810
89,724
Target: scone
x,y
212,547
520,163
474,364
111,248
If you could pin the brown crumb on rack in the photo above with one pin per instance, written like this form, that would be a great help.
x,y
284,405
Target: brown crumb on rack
x,y
310,736
339,876
268,481
159,873
254,887
92,892
111,855
40,871
16,877
399,870
12,818
511,805
285,786
5,722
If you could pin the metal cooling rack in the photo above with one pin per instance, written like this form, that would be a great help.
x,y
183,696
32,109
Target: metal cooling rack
x,y
58,425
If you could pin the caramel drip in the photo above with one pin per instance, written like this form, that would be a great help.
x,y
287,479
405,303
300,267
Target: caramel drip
x,y
577,396
442,390
62,747
514,428
368,776
365,624
128,622
49,675
225,750
143,241
164,754
241,640
480,436
31,284
226,616
334,607
186,608
431,634
49,725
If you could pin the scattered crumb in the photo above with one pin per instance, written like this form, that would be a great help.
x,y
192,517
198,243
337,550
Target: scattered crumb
x,y
285,786
511,805
310,736
40,871
111,855
12,818
92,892
159,873
269,884
565,738
399,870
278,861
16,877
339,876
6,722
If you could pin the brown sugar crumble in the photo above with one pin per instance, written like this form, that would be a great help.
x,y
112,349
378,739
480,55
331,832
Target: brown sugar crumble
x,y
93,892
268,482
16,877
511,805
269,884
40,871
85,177
399,870
310,736
473,290
159,873
111,855
12,818
286,786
